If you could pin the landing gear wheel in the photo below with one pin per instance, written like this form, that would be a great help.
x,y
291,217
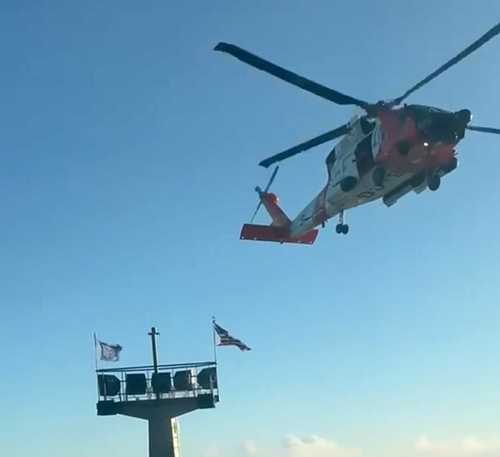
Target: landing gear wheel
x,y
434,181
342,228
378,176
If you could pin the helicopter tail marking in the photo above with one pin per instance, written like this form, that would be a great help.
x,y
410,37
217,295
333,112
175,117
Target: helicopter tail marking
x,y
273,233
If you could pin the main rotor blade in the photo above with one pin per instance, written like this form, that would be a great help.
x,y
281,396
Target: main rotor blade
x,y
328,136
483,129
290,77
462,55
256,210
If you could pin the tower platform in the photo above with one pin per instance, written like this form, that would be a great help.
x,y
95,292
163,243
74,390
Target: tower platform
x,y
158,394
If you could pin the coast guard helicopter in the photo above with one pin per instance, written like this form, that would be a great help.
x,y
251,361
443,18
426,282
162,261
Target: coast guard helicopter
x,y
385,153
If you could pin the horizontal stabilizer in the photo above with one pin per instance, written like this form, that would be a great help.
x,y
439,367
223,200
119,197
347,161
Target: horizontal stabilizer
x,y
277,234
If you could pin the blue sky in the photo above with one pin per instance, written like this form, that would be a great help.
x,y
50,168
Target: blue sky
x,y
129,152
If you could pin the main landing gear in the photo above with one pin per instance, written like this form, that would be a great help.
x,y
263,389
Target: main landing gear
x,y
433,181
341,227
434,176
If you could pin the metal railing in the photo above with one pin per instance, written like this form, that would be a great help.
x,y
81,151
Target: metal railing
x,y
191,371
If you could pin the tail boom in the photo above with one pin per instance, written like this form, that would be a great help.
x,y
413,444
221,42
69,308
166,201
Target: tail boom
x,y
280,229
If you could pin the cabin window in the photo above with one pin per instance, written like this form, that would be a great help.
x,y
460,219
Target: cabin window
x,y
364,156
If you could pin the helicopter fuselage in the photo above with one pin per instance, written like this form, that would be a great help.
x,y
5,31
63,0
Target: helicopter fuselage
x,y
386,157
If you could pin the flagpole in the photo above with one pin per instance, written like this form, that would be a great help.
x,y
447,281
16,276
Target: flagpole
x,y
95,352
214,340
96,366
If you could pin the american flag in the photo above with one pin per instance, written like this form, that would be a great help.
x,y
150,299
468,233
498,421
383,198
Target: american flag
x,y
225,339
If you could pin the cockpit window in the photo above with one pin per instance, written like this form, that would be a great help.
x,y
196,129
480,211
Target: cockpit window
x,y
422,111
435,124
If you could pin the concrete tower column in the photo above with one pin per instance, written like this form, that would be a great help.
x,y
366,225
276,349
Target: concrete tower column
x,y
163,439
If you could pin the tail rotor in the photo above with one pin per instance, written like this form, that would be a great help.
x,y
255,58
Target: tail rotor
x,y
266,189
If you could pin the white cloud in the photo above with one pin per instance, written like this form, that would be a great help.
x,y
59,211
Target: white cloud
x,y
249,448
316,446
470,446
212,450
293,446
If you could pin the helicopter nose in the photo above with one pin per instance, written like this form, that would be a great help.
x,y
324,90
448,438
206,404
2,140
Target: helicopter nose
x,y
462,118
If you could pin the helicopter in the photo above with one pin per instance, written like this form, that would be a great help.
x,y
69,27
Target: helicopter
x,y
388,151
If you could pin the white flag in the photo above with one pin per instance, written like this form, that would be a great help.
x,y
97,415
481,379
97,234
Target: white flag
x,y
110,352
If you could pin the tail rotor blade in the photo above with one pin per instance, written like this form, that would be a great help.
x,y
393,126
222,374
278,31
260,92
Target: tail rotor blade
x,y
256,211
266,189
275,172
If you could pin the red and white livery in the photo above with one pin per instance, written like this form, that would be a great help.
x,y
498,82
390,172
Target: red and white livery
x,y
389,151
